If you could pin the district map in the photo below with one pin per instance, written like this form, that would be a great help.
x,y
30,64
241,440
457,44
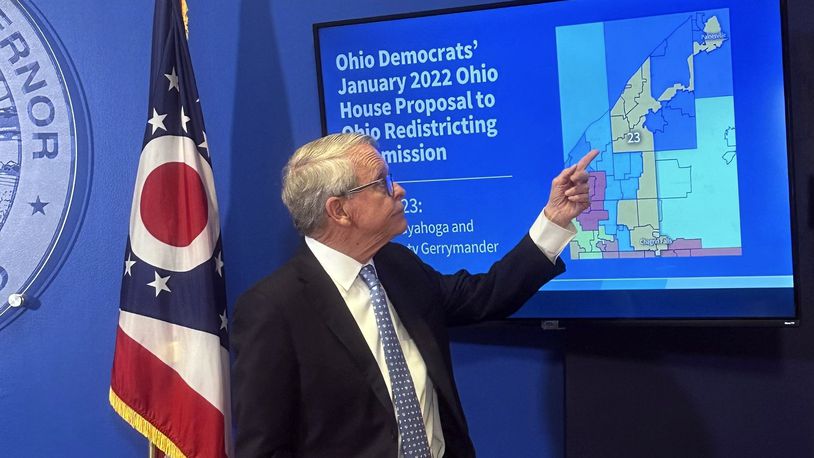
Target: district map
x,y
654,95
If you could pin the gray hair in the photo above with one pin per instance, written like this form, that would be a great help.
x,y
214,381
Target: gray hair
x,y
317,171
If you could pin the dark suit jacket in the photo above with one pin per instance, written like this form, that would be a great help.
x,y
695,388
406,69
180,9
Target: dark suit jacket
x,y
305,382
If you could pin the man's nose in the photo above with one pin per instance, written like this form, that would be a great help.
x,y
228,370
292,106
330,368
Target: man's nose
x,y
398,191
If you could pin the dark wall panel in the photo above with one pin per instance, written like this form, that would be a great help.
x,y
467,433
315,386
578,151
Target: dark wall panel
x,y
708,392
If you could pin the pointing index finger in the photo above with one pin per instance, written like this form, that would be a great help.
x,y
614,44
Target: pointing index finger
x,y
586,160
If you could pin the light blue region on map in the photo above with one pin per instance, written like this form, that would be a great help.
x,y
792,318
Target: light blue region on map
x,y
623,238
583,85
674,180
622,165
630,183
613,190
604,162
598,134
622,179
630,189
581,146
711,212
610,223
623,171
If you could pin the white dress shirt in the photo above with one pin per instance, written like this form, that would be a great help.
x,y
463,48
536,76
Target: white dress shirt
x,y
344,271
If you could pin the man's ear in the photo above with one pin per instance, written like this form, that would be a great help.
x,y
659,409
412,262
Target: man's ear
x,y
335,209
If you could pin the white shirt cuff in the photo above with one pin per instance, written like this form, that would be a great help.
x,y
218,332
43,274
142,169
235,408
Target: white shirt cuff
x,y
551,238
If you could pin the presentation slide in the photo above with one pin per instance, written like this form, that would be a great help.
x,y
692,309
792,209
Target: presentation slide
x,y
477,111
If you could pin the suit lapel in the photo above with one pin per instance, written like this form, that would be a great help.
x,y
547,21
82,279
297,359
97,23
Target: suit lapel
x,y
321,293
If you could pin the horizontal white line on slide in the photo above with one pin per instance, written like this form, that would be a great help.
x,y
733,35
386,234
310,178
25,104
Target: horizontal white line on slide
x,y
435,180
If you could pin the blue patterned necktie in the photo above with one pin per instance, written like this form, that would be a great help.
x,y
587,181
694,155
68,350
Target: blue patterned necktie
x,y
408,412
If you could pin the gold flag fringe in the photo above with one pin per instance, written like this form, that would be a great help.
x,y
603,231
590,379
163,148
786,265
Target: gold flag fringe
x,y
145,427
184,11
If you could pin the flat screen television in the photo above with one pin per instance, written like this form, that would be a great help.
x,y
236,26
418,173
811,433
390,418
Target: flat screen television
x,y
477,109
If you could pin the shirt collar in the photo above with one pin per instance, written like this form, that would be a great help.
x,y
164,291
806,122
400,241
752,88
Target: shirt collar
x,y
342,269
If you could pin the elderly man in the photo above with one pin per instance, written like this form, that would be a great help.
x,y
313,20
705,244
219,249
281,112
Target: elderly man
x,y
343,351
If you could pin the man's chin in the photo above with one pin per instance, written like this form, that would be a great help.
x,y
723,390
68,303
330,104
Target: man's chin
x,y
401,226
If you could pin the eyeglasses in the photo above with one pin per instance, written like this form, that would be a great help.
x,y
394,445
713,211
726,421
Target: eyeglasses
x,y
387,181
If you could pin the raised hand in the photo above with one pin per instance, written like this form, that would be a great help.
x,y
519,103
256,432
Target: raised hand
x,y
569,192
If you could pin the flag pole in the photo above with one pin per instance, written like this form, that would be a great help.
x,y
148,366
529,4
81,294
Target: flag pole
x,y
154,451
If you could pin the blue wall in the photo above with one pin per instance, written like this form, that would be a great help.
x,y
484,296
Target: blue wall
x,y
256,75
630,393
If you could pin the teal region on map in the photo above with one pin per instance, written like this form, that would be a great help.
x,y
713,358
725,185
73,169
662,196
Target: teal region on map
x,y
654,96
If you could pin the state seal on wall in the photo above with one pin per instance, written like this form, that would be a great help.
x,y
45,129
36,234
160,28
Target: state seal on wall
x,y
45,154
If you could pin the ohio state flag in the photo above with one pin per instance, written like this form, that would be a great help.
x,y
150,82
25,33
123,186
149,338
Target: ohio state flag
x,y
170,377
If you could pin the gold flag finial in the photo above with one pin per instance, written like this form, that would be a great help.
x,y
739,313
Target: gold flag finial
x,y
184,11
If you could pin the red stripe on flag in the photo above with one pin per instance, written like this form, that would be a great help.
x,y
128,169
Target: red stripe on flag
x,y
157,393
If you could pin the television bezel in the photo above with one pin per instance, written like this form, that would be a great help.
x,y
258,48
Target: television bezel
x,y
563,323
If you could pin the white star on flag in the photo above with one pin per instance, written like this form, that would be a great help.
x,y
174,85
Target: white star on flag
x,y
204,145
223,320
173,80
128,264
184,119
219,264
157,121
160,284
